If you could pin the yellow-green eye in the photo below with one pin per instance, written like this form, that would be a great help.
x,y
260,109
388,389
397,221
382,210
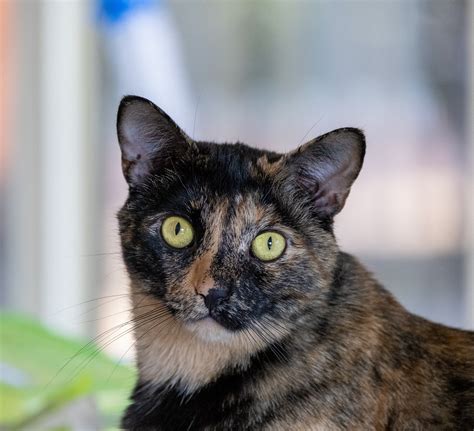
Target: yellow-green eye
x,y
268,246
177,232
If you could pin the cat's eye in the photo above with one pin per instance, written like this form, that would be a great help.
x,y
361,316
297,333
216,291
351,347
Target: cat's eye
x,y
268,246
177,232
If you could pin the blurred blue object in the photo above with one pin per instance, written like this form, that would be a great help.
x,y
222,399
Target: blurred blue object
x,y
115,10
143,33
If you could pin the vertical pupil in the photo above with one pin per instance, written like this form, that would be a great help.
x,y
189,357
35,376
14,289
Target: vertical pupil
x,y
269,243
177,229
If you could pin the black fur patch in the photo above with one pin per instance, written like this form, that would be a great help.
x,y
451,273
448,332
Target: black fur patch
x,y
218,404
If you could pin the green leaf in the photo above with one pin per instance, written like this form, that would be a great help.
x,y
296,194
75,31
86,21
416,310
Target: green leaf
x,y
50,370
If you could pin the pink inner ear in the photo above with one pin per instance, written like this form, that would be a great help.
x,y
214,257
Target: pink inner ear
x,y
330,202
333,190
325,169
139,141
135,170
137,152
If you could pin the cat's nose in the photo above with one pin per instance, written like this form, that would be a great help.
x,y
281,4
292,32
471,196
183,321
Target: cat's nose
x,y
204,286
214,296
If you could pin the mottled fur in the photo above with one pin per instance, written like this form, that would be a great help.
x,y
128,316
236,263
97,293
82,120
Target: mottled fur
x,y
308,342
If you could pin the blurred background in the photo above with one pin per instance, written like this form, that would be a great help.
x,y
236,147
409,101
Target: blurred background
x,y
272,74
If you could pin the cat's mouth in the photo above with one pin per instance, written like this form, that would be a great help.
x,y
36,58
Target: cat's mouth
x,y
209,316
209,329
219,318
193,311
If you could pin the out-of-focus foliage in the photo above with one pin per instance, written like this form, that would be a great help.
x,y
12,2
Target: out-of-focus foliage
x,y
47,371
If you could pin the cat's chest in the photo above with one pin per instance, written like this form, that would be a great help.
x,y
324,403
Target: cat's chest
x,y
235,400
223,404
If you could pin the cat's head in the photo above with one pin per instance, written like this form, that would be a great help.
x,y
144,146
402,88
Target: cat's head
x,y
226,233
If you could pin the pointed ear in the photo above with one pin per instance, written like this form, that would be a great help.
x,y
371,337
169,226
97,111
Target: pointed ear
x,y
323,170
147,138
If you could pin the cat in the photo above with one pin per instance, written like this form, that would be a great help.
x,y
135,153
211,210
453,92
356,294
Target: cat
x,y
247,316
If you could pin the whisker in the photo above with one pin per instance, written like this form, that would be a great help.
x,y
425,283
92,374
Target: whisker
x,y
101,254
135,307
273,343
128,310
92,300
311,128
254,336
92,343
263,332
166,319
88,360
195,115
277,326
246,334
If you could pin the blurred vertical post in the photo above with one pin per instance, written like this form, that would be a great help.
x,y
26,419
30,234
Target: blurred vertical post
x,y
469,270
5,85
66,159
51,192
22,185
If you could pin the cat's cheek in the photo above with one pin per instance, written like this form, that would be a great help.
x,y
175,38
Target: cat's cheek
x,y
185,306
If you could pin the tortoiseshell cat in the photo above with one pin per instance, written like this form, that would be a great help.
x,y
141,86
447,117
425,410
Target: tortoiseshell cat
x,y
247,314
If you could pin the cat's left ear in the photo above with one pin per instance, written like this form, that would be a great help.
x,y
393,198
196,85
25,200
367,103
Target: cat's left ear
x,y
323,170
148,138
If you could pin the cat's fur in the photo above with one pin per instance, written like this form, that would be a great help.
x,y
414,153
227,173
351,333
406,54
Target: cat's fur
x,y
307,342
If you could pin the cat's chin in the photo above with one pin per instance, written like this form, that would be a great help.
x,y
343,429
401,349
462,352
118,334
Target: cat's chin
x,y
209,330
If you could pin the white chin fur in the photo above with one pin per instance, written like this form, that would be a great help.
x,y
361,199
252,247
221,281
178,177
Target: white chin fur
x,y
209,330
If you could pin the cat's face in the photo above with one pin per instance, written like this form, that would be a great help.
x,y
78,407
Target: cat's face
x,y
227,236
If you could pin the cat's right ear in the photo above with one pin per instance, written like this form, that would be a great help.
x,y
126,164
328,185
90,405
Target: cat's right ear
x,y
322,171
148,137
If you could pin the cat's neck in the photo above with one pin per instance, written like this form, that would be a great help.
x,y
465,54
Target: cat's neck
x,y
169,353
